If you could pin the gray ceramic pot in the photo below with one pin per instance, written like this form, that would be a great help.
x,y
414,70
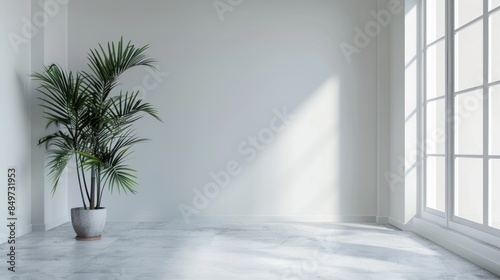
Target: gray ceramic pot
x,y
88,224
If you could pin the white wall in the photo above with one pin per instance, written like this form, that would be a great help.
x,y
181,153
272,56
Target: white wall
x,y
404,153
55,50
15,113
48,45
383,114
225,79
397,120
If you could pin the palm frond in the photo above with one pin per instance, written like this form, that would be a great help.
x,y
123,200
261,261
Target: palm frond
x,y
107,64
59,159
94,125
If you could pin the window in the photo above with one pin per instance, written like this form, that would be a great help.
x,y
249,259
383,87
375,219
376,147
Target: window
x,y
460,62
435,104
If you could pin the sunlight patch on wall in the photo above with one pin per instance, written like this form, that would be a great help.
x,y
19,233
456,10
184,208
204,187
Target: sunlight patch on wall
x,y
308,162
411,156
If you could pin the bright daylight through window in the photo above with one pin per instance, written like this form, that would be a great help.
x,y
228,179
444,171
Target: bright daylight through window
x,y
460,93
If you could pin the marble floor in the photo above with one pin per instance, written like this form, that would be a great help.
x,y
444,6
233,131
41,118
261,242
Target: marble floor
x,y
236,251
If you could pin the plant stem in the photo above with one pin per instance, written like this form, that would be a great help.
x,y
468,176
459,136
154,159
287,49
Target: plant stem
x,y
80,184
98,187
92,188
85,182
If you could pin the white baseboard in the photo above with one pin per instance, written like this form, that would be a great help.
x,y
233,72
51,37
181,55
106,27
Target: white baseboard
x,y
140,218
57,222
473,250
382,220
400,225
25,230
37,227
247,219
51,224
286,219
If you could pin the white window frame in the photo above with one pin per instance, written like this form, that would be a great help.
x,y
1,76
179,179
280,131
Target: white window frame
x,y
448,219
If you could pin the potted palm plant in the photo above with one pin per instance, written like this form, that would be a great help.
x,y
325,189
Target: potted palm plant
x,y
94,128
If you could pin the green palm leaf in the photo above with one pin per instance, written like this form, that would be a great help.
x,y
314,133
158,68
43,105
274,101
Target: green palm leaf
x,y
94,125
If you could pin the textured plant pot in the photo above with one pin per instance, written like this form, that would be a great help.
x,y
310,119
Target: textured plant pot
x,y
88,224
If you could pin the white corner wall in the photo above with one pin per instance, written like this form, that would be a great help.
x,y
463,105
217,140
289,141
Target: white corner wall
x,y
224,75
397,121
49,19
15,113
383,113
404,151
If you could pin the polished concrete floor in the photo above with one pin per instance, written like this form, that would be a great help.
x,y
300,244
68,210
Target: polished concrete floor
x,y
236,251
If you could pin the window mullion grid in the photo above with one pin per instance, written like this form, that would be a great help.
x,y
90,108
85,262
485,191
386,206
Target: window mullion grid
x,y
494,10
435,42
450,220
423,102
450,121
486,131
424,107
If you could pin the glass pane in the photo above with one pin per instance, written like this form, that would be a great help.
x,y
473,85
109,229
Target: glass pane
x,y
494,4
495,120
469,57
435,186
469,189
469,123
435,19
467,10
436,75
495,47
495,193
435,127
